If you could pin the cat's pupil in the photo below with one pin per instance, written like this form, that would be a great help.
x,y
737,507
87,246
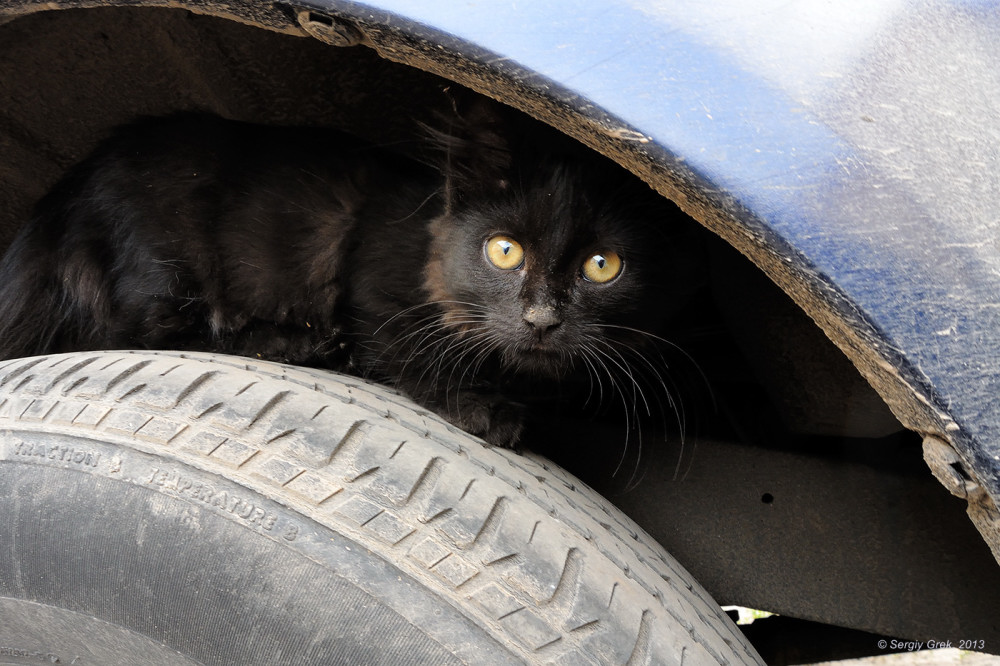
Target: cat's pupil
x,y
505,246
601,261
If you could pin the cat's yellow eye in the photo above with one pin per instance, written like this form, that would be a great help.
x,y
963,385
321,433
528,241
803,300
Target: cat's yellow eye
x,y
603,267
504,252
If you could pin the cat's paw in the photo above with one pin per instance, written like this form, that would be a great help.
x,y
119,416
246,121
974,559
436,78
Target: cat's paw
x,y
488,415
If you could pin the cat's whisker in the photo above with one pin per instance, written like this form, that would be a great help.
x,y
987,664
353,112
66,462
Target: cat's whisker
x,y
670,393
433,347
426,328
390,364
433,195
657,376
495,343
673,345
614,385
640,368
643,355
429,330
618,362
429,348
665,392
428,304
453,339
480,344
593,378
481,349
406,312
593,375
458,340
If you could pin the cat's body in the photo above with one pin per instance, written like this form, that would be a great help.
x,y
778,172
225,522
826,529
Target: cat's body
x,y
311,247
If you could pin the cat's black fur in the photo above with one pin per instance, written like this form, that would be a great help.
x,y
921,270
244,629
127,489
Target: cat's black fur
x,y
311,247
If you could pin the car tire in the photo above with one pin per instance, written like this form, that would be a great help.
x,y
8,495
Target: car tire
x,y
164,508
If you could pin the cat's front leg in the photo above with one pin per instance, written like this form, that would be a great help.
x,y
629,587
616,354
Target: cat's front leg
x,y
477,407
485,414
478,410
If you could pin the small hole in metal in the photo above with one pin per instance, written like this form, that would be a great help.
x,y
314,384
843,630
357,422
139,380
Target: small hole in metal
x,y
960,470
319,18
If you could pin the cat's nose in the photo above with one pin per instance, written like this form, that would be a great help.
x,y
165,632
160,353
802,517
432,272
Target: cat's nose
x,y
542,318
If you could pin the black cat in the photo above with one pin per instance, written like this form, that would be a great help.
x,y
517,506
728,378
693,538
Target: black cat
x,y
502,255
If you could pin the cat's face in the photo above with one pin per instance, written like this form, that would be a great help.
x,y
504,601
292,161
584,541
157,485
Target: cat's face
x,y
542,278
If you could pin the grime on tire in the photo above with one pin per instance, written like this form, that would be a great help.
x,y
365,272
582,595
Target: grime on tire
x,y
227,510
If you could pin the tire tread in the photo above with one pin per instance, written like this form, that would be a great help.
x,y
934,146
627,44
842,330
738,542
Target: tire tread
x,y
529,551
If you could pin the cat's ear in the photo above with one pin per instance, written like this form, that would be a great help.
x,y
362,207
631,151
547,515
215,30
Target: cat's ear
x,y
472,147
